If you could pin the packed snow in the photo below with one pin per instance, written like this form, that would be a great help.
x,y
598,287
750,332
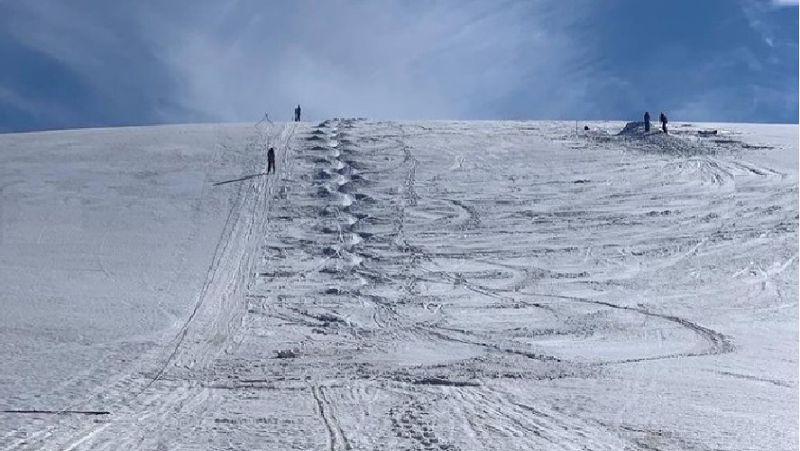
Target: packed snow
x,y
400,285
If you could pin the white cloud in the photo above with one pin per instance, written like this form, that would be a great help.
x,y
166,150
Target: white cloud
x,y
758,15
233,60
388,59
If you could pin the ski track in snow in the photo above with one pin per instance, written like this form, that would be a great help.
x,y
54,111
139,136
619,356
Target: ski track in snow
x,y
471,286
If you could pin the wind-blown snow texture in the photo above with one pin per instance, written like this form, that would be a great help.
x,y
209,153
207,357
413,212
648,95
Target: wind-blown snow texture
x,y
425,286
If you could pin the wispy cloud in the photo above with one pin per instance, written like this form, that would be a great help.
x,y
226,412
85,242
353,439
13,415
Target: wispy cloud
x,y
89,62
380,59
758,14
234,60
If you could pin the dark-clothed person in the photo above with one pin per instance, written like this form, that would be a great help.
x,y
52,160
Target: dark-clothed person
x,y
271,160
646,121
663,119
297,114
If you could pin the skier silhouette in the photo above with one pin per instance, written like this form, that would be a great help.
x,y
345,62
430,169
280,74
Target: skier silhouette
x,y
646,121
297,114
663,119
271,160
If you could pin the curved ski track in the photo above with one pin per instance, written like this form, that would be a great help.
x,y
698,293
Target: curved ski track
x,y
394,291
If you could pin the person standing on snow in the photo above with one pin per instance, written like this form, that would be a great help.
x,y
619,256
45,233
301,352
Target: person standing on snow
x,y
271,160
297,114
663,119
646,121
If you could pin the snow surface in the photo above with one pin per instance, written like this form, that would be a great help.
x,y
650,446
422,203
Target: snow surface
x,y
400,285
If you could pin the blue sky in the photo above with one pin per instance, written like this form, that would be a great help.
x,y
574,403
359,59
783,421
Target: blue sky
x,y
87,63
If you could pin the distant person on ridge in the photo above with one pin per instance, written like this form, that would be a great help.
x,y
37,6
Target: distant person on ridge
x,y
297,114
663,119
646,121
271,160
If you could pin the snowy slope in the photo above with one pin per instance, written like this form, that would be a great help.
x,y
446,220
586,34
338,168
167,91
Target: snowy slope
x,y
431,285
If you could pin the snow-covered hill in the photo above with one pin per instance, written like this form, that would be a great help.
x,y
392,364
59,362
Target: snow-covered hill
x,y
400,285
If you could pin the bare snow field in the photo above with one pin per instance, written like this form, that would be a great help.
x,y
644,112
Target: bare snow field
x,y
400,285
